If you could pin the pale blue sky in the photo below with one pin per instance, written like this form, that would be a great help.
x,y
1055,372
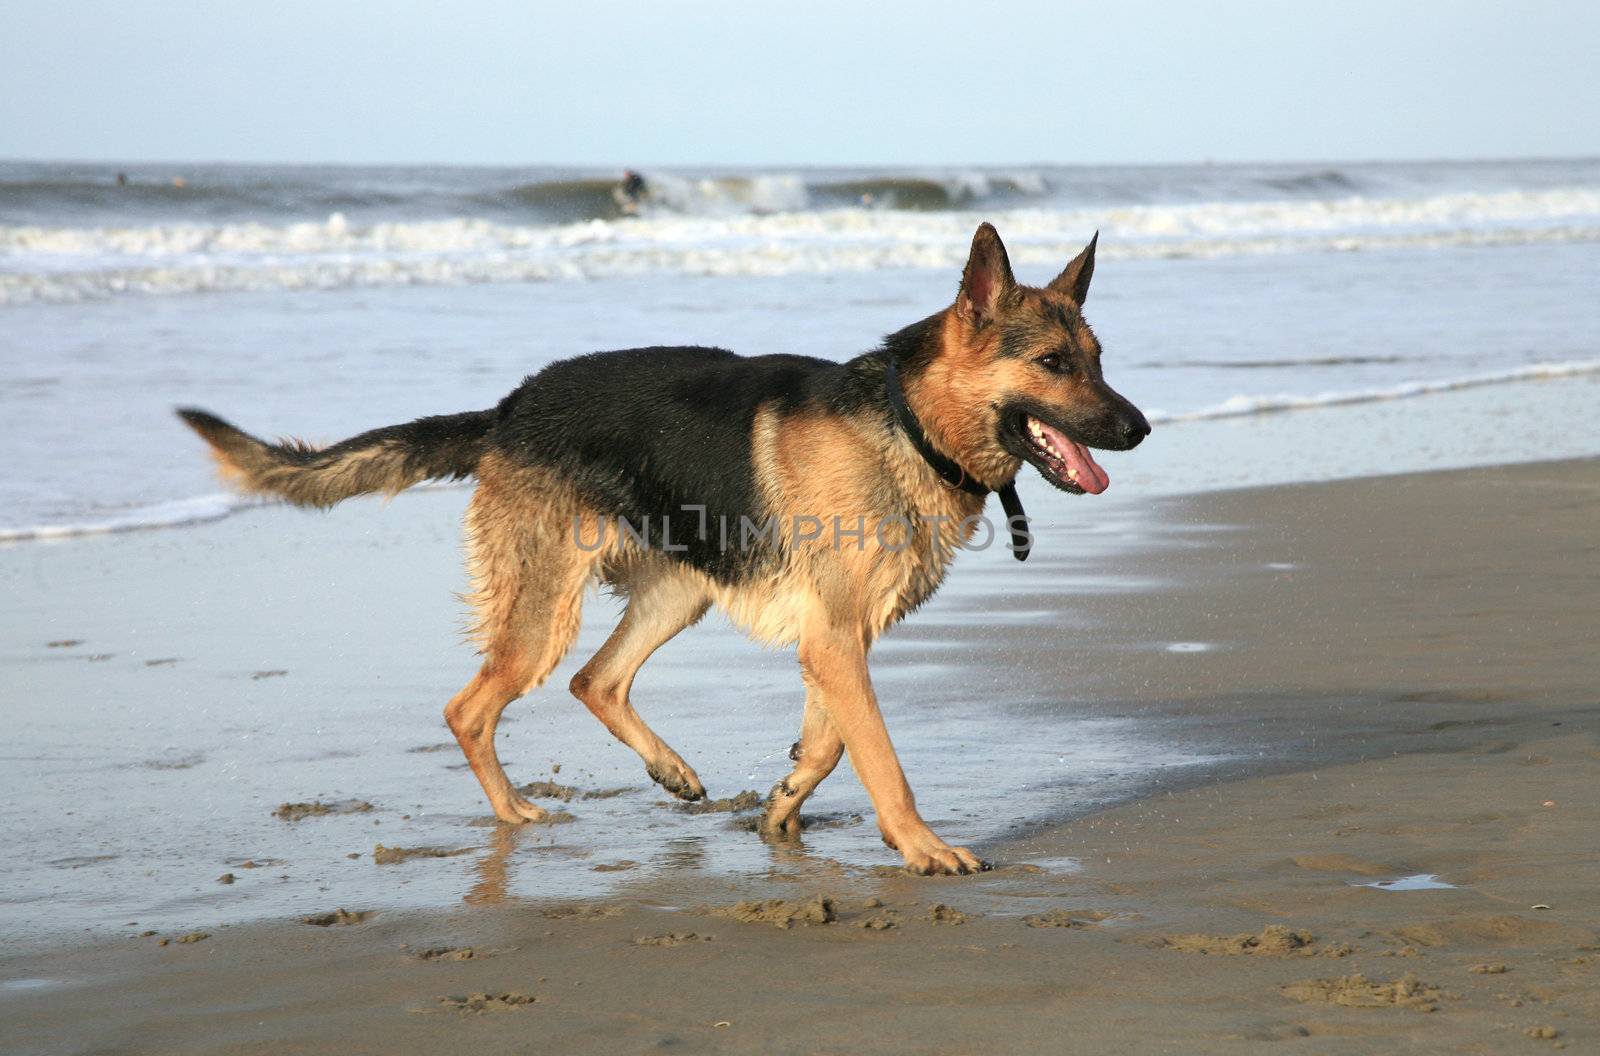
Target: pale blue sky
x,y
707,81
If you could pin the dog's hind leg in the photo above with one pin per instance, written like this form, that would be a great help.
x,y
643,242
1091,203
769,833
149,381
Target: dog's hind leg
x,y
660,605
473,715
529,580
815,755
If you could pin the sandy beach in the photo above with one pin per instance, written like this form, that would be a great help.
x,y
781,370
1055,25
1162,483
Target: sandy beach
x,y
1369,681
321,326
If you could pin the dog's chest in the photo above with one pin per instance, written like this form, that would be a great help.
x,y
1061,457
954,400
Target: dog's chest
x,y
944,523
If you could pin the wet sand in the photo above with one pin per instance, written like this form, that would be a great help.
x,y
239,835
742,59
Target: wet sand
x,y
1374,680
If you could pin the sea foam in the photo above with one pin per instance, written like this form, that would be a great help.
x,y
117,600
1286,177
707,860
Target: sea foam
x,y
64,264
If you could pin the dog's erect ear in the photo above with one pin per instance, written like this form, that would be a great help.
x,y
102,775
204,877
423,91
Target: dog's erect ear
x,y
986,285
1074,279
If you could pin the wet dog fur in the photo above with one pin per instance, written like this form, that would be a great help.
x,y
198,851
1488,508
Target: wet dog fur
x,y
752,478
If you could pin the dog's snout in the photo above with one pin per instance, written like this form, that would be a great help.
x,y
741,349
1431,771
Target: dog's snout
x,y
1122,425
1135,427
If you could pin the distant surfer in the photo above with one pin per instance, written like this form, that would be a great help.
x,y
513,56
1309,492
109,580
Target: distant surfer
x,y
122,179
630,193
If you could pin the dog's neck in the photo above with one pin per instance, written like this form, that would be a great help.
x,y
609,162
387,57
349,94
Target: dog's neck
x,y
950,471
945,389
962,487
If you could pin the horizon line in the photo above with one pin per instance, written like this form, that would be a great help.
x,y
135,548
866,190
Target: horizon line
x,y
752,165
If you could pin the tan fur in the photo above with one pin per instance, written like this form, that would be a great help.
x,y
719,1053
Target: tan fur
x,y
834,594
528,583
953,400
529,577
866,533
662,602
254,471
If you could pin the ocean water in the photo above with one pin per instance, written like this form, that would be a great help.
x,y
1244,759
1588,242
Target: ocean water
x,y
322,301
1276,323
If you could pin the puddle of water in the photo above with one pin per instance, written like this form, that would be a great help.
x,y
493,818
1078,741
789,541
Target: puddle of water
x,y
1415,882
1189,647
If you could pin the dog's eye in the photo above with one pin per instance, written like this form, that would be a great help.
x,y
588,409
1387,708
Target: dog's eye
x,y
1055,364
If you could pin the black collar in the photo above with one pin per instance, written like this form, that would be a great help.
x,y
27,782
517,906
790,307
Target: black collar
x,y
951,472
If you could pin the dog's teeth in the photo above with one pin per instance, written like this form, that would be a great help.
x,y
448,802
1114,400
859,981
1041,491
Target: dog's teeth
x,y
1034,427
1072,474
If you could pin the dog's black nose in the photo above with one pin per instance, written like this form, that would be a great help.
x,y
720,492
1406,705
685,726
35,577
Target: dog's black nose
x,y
1134,429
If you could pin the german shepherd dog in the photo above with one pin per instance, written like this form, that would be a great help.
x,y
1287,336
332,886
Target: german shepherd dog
x,y
860,481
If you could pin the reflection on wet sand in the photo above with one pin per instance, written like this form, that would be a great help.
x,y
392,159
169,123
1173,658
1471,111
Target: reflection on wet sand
x,y
494,867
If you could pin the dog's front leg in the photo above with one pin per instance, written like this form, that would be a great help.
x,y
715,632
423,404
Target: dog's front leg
x,y
815,755
834,663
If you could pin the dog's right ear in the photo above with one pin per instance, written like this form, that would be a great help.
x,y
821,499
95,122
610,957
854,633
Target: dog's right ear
x,y
1074,279
987,284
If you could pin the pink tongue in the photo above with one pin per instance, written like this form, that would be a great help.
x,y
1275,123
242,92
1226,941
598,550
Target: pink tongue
x,y
1091,477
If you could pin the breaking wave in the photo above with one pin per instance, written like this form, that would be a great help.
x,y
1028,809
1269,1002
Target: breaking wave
x,y
174,514
1255,406
303,194
54,264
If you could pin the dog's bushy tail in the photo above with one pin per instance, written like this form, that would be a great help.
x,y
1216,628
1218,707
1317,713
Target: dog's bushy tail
x,y
387,460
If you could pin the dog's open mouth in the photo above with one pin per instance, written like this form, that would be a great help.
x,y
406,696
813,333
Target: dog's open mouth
x,y
1062,461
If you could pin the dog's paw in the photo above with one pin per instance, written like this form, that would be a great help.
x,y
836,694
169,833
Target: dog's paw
x,y
529,811
780,820
928,855
518,811
676,777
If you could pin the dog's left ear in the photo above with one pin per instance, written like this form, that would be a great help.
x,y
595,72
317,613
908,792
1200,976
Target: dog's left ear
x,y
986,285
1074,278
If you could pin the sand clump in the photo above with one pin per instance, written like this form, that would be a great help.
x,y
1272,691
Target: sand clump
x,y
338,918
581,911
1275,940
477,1004
608,793
451,953
746,800
782,912
1357,991
1065,918
939,913
382,855
671,938
548,790
881,921
565,793
317,809
615,867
